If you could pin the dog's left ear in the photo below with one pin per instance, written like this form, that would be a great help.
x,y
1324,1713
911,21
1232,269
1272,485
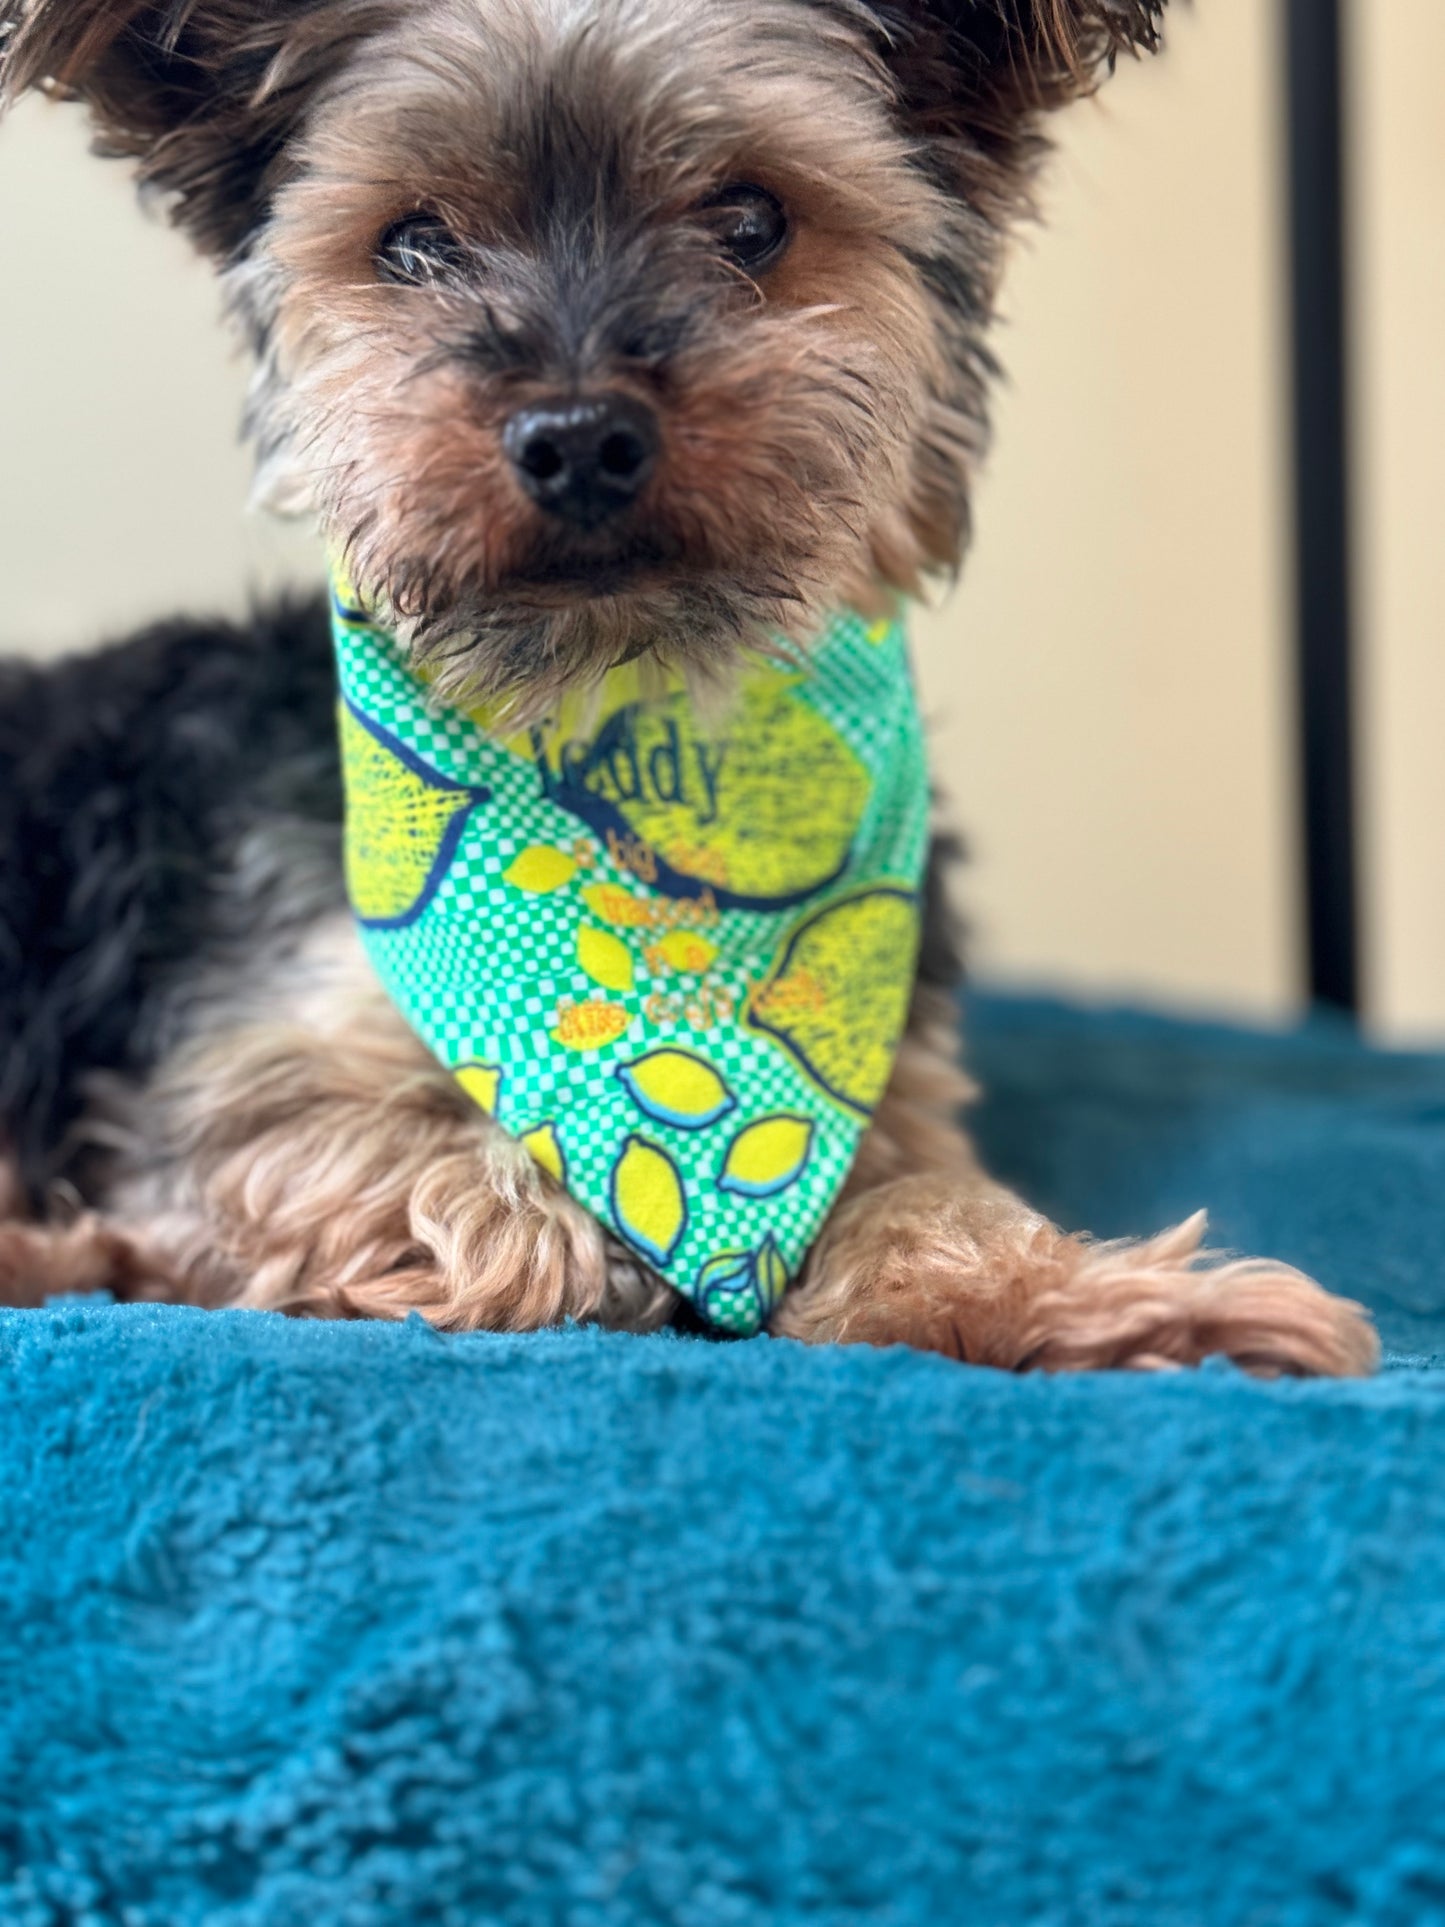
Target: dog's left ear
x,y
974,75
204,95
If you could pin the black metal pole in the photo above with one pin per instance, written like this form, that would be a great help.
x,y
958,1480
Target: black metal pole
x,y
1317,227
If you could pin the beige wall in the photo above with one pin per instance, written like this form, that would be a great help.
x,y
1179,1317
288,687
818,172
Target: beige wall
x,y
1399,223
1109,687
121,481
1110,681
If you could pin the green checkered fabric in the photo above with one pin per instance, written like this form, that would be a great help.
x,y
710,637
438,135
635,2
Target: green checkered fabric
x,y
673,958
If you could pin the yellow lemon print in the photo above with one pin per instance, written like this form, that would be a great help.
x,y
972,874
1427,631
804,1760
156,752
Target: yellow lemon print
x,y
838,1000
348,599
546,1147
404,822
541,870
605,958
647,1200
482,1084
771,1273
763,811
767,1157
726,1293
733,1277
590,1026
617,906
878,632
677,1088
684,950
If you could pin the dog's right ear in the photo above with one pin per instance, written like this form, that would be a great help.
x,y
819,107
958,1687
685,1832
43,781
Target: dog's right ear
x,y
975,77
204,95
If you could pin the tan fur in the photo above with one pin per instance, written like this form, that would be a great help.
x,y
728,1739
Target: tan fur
x,y
57,1259
925,1249
962,1267
41,1263
317,1160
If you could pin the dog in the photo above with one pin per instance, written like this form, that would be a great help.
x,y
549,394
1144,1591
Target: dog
x,y
592,333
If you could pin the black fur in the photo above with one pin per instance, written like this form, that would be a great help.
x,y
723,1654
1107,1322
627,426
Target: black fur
x,y
941,953
130,782
196,91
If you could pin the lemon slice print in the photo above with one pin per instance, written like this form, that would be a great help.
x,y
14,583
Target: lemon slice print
x,y
767,1157
838,999
404,822
605,958
482,1084
541,870
647,1200
738,1289
771,1273
546,1147
677,1088
726,1294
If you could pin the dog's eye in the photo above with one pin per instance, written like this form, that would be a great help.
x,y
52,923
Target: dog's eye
x,y
750,224
419,250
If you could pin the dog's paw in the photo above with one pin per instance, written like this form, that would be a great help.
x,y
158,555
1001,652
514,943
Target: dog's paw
x,y
89,1258
981,1278
1166,1302
36,1265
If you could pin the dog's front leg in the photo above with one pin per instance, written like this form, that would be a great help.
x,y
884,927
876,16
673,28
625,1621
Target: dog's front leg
x,y
304,1152
926,1250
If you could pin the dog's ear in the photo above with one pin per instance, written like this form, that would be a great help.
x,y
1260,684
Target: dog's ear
x,y
974,75
202,94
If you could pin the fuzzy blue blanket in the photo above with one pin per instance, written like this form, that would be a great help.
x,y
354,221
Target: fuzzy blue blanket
x,y
358,1627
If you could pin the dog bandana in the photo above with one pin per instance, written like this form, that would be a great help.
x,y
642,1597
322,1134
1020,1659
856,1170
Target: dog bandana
x,y
674,960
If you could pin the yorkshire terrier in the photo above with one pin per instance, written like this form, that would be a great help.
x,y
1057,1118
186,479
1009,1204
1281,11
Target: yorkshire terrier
x,y
602,338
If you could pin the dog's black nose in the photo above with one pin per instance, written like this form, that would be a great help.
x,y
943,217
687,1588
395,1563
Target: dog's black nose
x,y
583,460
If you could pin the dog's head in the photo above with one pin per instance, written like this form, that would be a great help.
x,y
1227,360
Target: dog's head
x,y
596,326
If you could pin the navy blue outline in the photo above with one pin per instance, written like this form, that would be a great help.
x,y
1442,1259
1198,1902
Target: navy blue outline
x,y
622,1073
600,816
653,1254
763,1297
702,1292
710,1299
481,1064
780,969
455,830
357,618
737,1188
743,1264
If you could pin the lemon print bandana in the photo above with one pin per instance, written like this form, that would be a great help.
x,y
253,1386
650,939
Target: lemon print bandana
x,y
674,960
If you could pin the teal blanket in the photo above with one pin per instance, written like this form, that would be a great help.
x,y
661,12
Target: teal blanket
x,y
358,1627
